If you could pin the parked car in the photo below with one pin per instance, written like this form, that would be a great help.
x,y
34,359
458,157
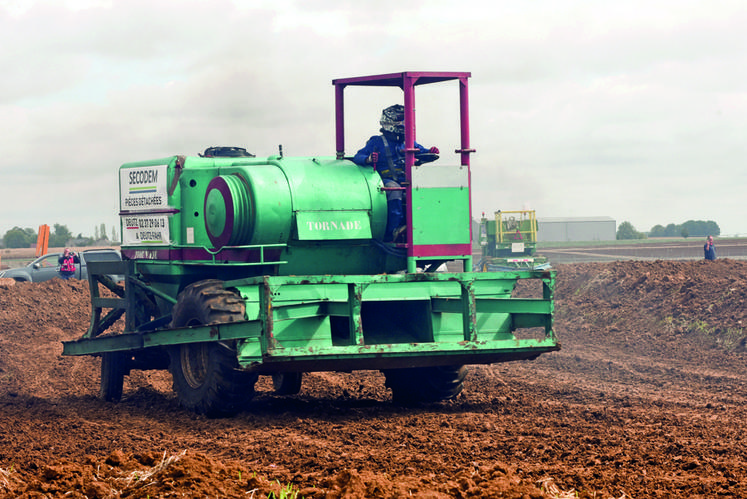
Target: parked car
x,y
47,267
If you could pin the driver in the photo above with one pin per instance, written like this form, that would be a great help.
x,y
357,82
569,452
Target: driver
x,y
386,153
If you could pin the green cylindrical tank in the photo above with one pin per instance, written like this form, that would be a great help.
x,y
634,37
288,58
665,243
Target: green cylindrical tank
x,y
248,205
185,218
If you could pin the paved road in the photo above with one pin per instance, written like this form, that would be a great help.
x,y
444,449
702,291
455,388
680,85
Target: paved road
x,y
655,250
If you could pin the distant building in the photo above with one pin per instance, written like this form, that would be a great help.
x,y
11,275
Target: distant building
x,y
569,229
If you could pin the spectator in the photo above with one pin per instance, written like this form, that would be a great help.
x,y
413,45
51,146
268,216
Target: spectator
x,y
67,264
709,249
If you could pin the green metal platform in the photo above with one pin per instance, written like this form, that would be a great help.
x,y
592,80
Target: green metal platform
x,y
324,323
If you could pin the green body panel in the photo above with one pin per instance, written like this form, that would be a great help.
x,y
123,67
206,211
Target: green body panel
x,y
440,205
429,225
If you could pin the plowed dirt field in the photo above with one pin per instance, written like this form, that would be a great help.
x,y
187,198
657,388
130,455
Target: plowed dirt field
x,y
645,399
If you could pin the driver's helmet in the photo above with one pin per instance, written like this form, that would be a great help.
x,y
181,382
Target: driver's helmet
x,y
393,120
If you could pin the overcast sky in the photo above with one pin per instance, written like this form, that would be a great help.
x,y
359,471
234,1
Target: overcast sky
x,y
635,110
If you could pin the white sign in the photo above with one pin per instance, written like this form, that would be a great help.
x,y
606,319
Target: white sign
x,y
143,188
145,229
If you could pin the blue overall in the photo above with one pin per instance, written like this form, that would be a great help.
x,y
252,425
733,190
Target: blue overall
x,y
391,168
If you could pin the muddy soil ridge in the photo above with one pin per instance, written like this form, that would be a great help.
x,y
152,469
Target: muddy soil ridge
x,y
645,399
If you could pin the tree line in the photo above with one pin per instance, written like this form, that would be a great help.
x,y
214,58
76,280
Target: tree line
x,y
691,228
61,236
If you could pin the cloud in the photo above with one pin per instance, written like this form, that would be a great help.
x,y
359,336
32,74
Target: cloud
x,y
631,110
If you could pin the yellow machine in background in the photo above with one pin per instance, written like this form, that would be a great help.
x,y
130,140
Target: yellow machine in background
x,y
509,241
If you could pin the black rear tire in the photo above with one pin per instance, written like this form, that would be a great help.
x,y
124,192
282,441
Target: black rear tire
x,y
425,384
207,378
287,383
112,376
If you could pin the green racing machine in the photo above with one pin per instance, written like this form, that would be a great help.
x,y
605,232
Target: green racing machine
x,y
509,242
240,266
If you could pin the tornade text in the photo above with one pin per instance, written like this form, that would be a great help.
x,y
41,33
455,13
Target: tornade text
x,y
332,225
